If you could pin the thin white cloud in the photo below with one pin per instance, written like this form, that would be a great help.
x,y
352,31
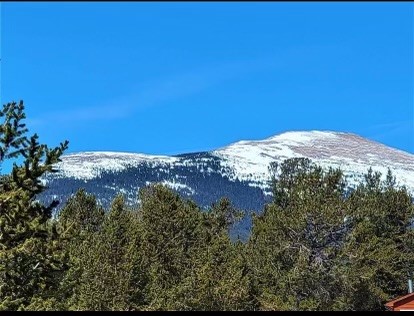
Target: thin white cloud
x,y
385,130
392,125
161,92
158,93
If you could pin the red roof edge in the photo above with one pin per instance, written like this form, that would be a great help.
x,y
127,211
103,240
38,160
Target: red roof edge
x,y
400,300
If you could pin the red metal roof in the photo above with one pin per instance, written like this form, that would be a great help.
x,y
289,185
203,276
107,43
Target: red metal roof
x,y
400,301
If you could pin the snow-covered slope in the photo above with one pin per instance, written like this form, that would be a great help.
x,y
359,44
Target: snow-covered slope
x,y
89,165
353,154
238,171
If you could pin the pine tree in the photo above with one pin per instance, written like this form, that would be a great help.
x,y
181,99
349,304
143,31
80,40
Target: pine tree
x,y
78,222
378,252
295,242
171,231
220,279
30,254
80,215
223,215
105,269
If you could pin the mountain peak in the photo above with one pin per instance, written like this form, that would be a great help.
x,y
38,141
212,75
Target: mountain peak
x,y
249,160
238,171
347,151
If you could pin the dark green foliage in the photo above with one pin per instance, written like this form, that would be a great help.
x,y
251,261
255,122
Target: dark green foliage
x,y
192,263
318,247
30,254
80,215
108,278
80,218
378,252
220,277
315,247
170,234
166,255
294,244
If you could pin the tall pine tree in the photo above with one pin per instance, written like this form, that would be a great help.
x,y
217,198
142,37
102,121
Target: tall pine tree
x,y
30,255
378,253
295,242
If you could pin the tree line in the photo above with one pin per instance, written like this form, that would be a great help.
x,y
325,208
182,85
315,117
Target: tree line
x,y
315,246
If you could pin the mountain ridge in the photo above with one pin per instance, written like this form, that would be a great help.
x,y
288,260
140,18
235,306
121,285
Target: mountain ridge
x,y
238,170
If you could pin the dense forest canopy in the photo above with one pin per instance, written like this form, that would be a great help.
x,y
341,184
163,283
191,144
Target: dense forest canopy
x,y
315,246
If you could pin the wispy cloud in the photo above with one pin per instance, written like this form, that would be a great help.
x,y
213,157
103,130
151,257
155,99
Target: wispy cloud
x,y
395,124
158,93
163,91
384,130
390,127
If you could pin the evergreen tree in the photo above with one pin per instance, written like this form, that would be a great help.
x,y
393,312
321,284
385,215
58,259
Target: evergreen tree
x,y
378,253
78,221
30,254
222,216
220,279
294,244
106,263
80,215
171,231
315,247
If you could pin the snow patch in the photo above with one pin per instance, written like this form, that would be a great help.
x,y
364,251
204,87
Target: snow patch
x,y
249,160
178,186
89,165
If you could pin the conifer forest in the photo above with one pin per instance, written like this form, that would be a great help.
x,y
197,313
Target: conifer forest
x,y
315,246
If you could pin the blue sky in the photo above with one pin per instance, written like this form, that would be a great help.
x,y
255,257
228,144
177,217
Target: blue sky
x,y
167,78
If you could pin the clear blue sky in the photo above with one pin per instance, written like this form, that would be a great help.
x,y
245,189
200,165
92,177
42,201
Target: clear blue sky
x,y
166,78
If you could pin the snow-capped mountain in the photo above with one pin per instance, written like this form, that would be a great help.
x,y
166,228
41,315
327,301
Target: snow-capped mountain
x,y
351,153
238,171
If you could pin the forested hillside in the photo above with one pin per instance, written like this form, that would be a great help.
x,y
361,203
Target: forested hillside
x,y
314,246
